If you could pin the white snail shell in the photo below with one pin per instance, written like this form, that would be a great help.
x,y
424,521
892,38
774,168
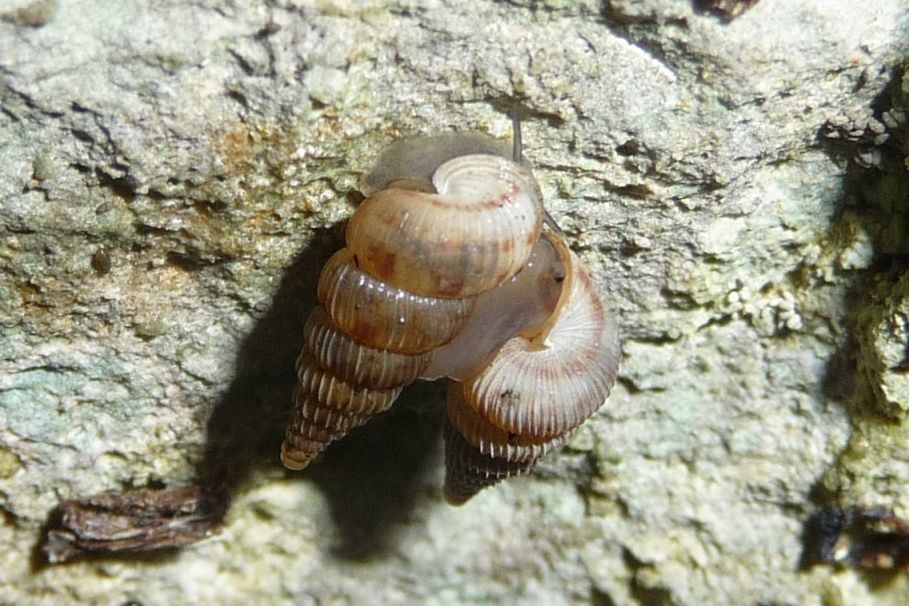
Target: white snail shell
x,y
445,275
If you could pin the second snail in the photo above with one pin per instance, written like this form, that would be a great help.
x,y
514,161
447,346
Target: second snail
x,y
452,269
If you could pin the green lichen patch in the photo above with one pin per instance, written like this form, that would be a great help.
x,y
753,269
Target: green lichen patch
x,y
872,469
9,463
882,332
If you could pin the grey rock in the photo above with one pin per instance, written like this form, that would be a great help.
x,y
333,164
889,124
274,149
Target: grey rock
x,y
172,176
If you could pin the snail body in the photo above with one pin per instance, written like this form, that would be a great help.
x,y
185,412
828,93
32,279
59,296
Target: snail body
x,y
445,274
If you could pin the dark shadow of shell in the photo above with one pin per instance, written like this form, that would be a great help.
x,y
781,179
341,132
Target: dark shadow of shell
x,y
372,477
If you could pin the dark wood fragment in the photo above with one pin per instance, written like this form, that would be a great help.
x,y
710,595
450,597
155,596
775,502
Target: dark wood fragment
x,y
134,522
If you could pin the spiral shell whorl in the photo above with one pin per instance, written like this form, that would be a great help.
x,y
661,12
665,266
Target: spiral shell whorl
x,y
382,315
335,393
549,385
494,441
312,428
325,409
373,332
468,471
538,387
357,363
477,232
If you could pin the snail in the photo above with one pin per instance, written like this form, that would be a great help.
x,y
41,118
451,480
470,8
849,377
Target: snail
x,y
453,269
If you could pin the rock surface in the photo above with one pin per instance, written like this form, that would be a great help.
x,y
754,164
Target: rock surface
x,y
173,175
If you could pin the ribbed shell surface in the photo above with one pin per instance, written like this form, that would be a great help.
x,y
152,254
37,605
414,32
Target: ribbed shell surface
x,y
325,409
445,263
382,315
304,440
344,396
549,386
323,422
494,441
356,363
475,233
468,471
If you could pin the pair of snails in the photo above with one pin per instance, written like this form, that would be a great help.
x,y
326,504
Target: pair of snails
x,y
453,269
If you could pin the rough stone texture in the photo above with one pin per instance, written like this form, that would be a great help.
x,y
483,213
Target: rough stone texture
x,y
883,337
172,176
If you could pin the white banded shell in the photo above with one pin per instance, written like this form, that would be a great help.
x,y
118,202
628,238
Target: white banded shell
x,y
491,440
358,363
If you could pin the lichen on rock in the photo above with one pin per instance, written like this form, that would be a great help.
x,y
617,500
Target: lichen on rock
x,y
173,176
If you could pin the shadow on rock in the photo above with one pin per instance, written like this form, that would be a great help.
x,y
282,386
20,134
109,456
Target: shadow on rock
x,y
246,427
372,476
372,479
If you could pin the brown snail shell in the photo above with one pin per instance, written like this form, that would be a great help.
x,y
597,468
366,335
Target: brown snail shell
x,y
549,383
468,471
325,409
538,387
376,325
445,275
338,394
376,312
491,440
474,234
358,363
